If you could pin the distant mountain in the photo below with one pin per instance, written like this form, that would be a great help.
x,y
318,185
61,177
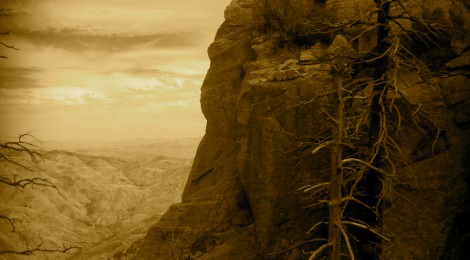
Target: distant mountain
x,y
107,197
181,148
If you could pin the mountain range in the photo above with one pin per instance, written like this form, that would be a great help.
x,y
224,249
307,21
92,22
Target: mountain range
x,y
107,196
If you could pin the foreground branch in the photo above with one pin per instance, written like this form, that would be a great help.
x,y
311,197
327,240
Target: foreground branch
x,y
38,249
9,46
20,146
25,182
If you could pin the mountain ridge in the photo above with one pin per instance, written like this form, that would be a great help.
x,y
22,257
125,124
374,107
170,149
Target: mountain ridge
x,y
103,202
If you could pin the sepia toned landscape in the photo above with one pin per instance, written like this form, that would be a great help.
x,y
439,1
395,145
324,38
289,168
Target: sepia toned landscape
x,y
333,130
104,196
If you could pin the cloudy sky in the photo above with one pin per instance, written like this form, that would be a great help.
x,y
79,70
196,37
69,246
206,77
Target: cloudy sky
x,y
105,70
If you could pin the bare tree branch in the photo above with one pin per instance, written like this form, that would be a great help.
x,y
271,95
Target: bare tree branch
x,y
22,183
39,248
366,227
346,239
6,12
20,146
349,160
9,46
317,252
23,146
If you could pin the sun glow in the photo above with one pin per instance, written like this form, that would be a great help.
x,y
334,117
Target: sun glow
x,y
133,69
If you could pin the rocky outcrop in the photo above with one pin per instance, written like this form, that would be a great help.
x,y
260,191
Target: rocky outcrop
x,y
264,107
212,197
457,90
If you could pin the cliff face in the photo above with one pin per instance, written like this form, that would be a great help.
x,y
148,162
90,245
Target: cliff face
x,y
264,105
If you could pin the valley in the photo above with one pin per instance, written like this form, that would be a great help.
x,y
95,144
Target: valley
x,y
107,196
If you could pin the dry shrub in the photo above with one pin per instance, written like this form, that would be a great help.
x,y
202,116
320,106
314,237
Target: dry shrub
x,y
292,19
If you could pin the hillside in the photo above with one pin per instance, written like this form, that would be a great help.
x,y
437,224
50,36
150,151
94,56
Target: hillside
x,y
106,197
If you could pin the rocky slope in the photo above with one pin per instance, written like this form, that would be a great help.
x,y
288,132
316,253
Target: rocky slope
x,y
106,198
263,106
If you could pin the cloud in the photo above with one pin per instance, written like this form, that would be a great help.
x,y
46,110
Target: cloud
x,y
114,69
76,40
140,17
18,78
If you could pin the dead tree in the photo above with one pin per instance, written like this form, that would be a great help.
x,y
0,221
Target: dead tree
x,y
12,149
26,144
358,177
344,130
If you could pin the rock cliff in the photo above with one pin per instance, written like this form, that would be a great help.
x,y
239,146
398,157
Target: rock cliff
x,y
264,106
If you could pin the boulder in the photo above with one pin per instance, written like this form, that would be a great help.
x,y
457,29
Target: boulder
x,y
306,56
461,62
456,89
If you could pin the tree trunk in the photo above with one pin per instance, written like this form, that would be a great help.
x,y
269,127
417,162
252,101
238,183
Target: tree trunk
x,y
372,185
336,178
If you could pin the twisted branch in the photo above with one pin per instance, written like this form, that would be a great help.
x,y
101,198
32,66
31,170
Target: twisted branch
x,y
38,249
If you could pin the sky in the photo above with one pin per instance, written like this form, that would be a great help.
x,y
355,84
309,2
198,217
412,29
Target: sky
x,y
105,70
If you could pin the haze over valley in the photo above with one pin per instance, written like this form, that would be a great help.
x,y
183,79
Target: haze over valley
x,y
107,196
